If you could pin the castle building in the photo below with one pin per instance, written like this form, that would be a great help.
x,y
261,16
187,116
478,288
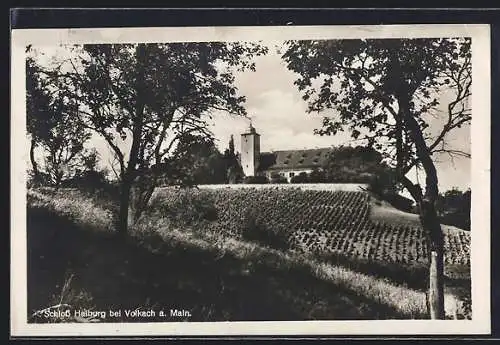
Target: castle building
x,y
287,164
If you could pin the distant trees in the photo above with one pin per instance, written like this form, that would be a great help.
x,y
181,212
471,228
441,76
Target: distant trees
x,y
318,176
203,163
454,208
385,91
230,153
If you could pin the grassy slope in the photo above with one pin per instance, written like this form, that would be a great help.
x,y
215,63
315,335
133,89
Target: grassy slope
x,y
384,211
388,243
215,279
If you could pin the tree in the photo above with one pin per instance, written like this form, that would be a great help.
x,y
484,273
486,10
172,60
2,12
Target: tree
x,y
386,92
53,125
37,102
203,162
144,98
361,164
230,152
354,164
234,171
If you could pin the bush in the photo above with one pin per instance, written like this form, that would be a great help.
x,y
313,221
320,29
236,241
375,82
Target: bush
x,y
88,181
300,178
277,178
317,176
39,180
384,185
400,202
255,180
254,229
187,206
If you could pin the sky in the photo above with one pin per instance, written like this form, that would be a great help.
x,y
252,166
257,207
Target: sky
x,y
279,115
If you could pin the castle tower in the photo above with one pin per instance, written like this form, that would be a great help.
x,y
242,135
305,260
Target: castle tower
x,y
250,151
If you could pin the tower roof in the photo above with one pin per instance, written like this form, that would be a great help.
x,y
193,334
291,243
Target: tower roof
x,y
250,130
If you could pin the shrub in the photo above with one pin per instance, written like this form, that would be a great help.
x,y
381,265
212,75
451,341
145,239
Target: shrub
x,y
300,178
38,180
277,178
255,180
187,206
86,180
317,176
255,229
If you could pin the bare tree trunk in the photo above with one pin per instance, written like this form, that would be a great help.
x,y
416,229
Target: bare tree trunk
x,y
430,223
432,228
122,223
58,175
34,164
428,215
130,172
436,285
141,194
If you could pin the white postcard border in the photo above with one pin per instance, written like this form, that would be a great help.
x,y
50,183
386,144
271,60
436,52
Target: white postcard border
x,y
480,184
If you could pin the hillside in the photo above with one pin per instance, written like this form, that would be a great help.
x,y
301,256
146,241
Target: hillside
x,y
275,255
350,223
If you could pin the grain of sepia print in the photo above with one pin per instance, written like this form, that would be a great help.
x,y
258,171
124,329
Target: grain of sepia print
x,y
259,180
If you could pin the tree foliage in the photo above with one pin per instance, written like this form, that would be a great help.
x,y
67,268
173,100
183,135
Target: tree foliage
x,y
200,160
54,127
367,84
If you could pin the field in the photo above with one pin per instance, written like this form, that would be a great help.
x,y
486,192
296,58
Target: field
x,y
318,222
250,254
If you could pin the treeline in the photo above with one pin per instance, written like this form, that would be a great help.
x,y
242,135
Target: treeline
x,y
454,208
198,161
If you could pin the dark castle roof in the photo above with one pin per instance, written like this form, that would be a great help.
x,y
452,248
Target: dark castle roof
x,y
294,159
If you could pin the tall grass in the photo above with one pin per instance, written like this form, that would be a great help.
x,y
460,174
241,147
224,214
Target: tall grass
x,y
74,205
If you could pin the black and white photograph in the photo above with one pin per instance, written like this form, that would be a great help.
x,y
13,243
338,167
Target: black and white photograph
x,y
269,180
